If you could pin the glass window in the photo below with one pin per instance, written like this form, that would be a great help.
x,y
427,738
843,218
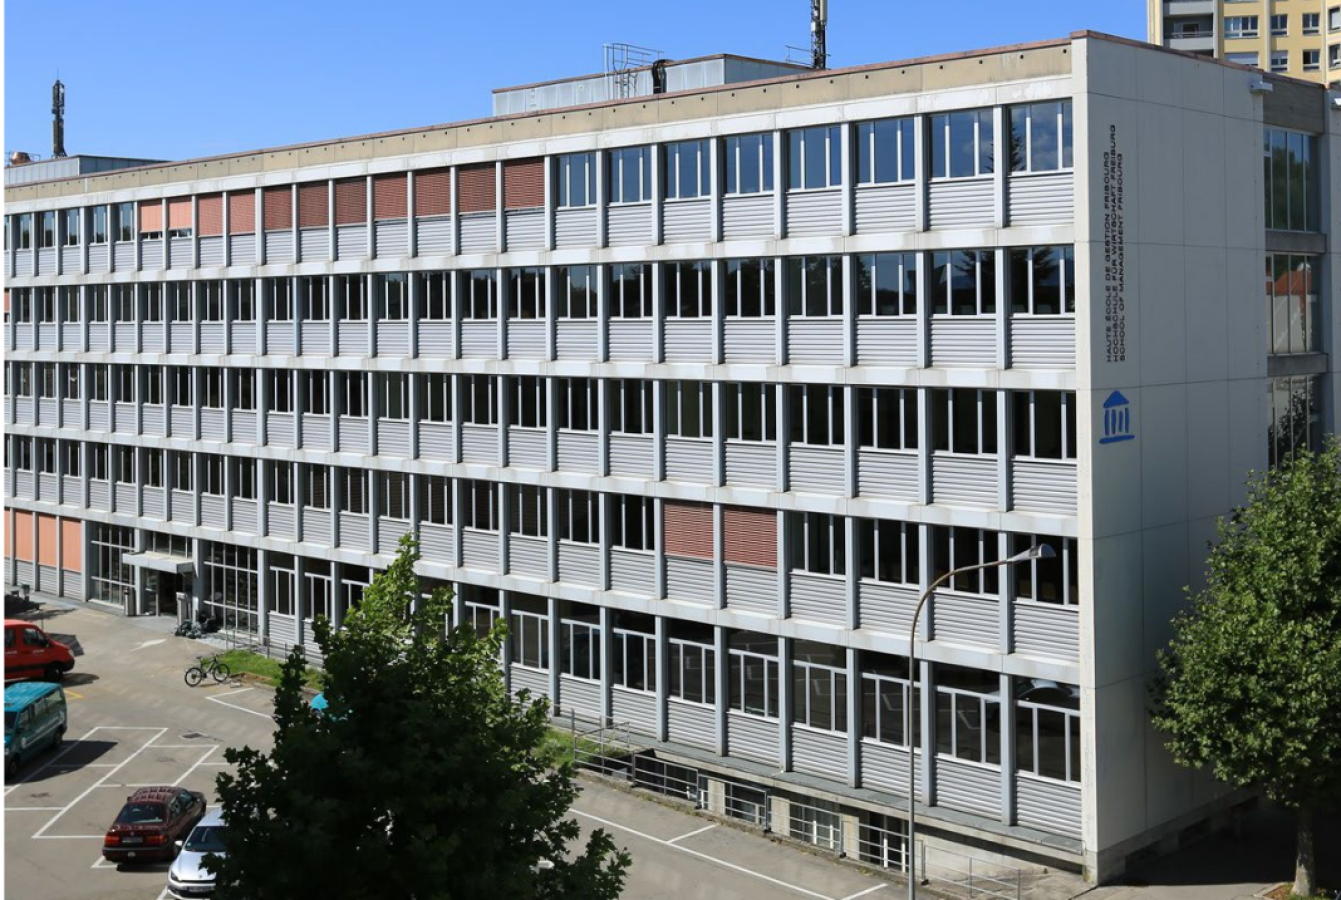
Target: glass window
x,y
479,505
579,640
957,548
1053,580
814,158
634,648
125,221
819,686
1041,137
631,291
817,543
576,298
962,144
630,177
886,284
1292,286
1292,180
749,164
393,297
435,296
1296,422
1047,729
816,414
528,631
436,499
689,409
479,400
887,418
815,286
529,406
394,392
692,662
575,180
963,283
886,151
630,405
70,228
752,673
968,714
750,291
889,551
884,701
526,293
351,297
963,420
99,231
687,170
632,522
578,404
478,294
1042,280
688,290
750,411
1044,424
1240,26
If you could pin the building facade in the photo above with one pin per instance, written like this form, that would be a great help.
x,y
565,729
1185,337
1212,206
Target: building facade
x,y
700,391
1298,38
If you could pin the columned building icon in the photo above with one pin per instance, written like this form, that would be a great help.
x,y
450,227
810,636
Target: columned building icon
x,y
1117,419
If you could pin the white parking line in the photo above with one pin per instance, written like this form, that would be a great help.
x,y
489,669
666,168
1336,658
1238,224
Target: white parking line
x,y
219,700
869,890
50,763
185,775
692,833
703,856
41,832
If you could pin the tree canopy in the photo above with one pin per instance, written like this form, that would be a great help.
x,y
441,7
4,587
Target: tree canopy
x,y
423,779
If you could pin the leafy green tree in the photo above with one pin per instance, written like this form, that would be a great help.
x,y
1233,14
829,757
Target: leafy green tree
x,y
424,778
1251,684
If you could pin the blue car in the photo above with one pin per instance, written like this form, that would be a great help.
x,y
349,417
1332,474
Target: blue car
x,y
35,721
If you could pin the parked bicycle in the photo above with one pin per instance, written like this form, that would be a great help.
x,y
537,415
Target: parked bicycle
x,y
208,666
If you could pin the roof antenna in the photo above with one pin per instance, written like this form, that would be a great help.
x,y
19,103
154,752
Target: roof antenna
x,y
58,123
819,23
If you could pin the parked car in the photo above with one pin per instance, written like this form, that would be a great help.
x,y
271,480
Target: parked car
x,y
189,876
151,824
35,720
31,653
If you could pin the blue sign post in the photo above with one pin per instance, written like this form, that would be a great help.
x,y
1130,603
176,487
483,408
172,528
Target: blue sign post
x,y
1117,419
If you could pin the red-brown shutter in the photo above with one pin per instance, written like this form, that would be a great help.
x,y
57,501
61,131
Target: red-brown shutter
x,y
750,536
209,210
313,205
179,213
523,183
151,216
351,201
433,192
390,196
475,186
23,535
687,529
277,208
72,545
242,212
46,540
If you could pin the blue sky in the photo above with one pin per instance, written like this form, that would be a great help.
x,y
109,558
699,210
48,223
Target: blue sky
x,y
185,79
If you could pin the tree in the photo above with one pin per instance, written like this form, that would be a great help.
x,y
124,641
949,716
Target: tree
x,y
423,779
1251,682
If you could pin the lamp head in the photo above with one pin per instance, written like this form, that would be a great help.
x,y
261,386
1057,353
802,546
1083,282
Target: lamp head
x,y
1038,551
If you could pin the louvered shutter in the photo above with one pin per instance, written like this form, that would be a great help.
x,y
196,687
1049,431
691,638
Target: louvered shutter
x,y
351,201
313,205
151,216
524,183
242,212
209,209
433,192
72,545
687,529
750,536
390,197
475,185
23,535
46,540
277,209
179,213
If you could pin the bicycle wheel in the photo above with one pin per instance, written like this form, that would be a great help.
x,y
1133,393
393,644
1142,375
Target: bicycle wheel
x,y
221,673
194,676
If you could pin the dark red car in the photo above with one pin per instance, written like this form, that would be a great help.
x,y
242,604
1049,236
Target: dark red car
x,y
150,824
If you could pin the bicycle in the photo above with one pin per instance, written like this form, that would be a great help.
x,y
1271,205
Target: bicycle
x,y
211,666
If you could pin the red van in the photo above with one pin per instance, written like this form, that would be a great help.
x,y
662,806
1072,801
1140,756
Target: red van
x,y
30,653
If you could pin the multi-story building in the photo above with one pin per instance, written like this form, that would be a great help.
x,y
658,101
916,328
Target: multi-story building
x,y
700,390
1299,38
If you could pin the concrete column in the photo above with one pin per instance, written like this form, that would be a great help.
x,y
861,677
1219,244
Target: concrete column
x,y
784,567
663,675
922,171
330,225
411,238
607,622
226,232
656,156
551,400
785,700
555,697
719,432
851,438
501,291
718,556
783,433
926,770
1002,309
923,328
371,233
779,185
659,564
924,453
1004,444
550,162
500,209
1002,166
853,726
783,300
715,167
455,248
658,430
263,596
847,174
851,547
261,313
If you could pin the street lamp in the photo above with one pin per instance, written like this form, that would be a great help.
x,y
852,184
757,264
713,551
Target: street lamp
x,y
1037,551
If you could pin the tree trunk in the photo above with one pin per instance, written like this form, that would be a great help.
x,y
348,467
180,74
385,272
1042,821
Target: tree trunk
x,y
1305,867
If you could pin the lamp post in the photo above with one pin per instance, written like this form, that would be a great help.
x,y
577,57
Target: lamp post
x,y
1038,551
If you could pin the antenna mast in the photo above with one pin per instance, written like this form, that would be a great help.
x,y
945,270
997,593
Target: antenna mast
x,y
58,123
819,23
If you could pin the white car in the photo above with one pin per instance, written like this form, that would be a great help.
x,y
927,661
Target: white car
x,y
188,879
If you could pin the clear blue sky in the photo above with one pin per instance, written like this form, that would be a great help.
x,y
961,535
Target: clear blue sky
x,y
174,80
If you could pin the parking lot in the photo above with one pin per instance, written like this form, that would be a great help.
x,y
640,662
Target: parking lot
x,y
133,722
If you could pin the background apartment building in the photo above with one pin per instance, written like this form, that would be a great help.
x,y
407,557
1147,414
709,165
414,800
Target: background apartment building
x,y
1299,38
700,390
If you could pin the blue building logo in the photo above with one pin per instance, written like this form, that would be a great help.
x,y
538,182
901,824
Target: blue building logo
x,y
1117,419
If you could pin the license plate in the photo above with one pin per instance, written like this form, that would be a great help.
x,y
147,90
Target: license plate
x,y
132,840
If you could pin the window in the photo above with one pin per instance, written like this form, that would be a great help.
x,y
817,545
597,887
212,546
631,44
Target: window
x,y
691,662
1047,729
963,420
1280,25
436,505
1292,284
963,283
72,458
23,452
244,477
750,291
23,303
479,400
353,490
579,640
101,382
1044,424
243,388
125,221
1042,280
630,406
955,548
98,303
579,516
526,293
126,384
1240,26
112,578
688,409
435,295
1312,60
576,298
632,522
435,399
1334,18
752,673
819,686
182,471
887,418
479,505
313,299
281,390
153,303
814,158
816,414
46,304
98,461
395,496
631,291
211,294
630,177
815,286
317,487
1291,180
578,404
393,298
212,474
1311,23
25,238
575,180
1041,137
889,551
70,306
886,151
46,457
394,394
968,714
528,631
70,228
46,234
886,284
687,170
353,394
1054,580
884,701
479,294
751,411
816,543
351,298
46,381
688,290
1280,60
1295,418
70,381
153,387
962,144
281,482
1242,59
749,164
99,235
316,392
529,404
123,298
1334,56
634,650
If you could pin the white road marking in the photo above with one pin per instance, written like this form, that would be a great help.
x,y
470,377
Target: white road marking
x,y
149,644
244,709
188,772
78,766
869,890
692,833
703,856
50,763
41,832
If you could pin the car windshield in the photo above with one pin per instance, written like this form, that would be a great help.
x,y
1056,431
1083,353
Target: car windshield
x,y
206,839
141,814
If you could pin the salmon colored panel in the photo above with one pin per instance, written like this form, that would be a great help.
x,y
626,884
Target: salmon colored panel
x,y
72,545
687,529
524,183
278,211
23,535
151,215
210,211
390,196
751,536
242,212
475,185
351,202
313,205
46,540
179,213
433,192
